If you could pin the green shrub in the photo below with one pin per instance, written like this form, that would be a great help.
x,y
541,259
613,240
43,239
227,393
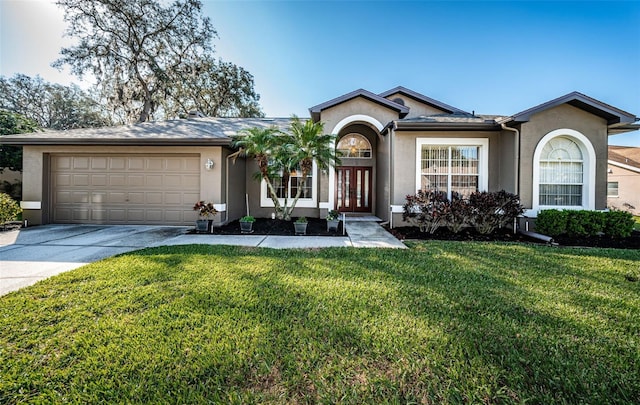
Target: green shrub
x,y
585,223
552,222
618,224
9,209
493,210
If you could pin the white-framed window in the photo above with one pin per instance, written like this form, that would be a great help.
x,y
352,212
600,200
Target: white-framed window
x,y
354,146
561,177
612,189
308,198
452,165
564,171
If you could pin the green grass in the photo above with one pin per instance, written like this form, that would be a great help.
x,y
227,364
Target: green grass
x,y
440,323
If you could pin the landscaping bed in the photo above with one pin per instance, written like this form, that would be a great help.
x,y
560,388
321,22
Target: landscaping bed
x,y
507,235
267,226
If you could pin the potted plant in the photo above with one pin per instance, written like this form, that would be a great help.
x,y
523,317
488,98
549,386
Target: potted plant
x,y
246,224
301,226
206,212
333,220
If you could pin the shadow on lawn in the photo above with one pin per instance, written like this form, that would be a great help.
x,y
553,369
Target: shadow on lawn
x,y
483,324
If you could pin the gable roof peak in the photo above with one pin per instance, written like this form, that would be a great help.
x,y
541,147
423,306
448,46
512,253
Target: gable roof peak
x,y
579,100
422,99
399,108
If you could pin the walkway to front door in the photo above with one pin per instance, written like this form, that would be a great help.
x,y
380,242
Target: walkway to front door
x,y
353,191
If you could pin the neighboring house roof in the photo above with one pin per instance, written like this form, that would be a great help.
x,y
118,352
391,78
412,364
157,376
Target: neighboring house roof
x,y
316,110
422,98
626,157
192,131
612,114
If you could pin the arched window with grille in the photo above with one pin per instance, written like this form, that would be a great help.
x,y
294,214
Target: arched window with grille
x,y
564,171
354,146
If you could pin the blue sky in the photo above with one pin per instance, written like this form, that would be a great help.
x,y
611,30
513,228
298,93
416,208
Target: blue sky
x,y
492,57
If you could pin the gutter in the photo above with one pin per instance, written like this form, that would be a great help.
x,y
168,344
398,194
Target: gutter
x,y
22,141
517,155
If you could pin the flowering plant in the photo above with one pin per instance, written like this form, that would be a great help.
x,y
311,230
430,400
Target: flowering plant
x,y
206,210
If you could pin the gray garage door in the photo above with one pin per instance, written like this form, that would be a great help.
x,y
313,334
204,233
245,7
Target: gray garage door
x,y
124,189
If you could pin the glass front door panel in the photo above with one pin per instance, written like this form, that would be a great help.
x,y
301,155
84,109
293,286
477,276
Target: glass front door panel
x,y
353,189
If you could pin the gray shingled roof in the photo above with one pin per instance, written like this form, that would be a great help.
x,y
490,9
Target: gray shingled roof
x,y
193,131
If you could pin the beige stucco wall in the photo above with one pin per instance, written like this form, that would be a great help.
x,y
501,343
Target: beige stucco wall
x,y
416,108
36,171
563,117
404,162
628,189
357,106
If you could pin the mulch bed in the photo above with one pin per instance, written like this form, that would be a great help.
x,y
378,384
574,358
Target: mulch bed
x,y
265,226
507,235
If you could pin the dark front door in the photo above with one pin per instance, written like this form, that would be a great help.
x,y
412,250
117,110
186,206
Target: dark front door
x,y
353,190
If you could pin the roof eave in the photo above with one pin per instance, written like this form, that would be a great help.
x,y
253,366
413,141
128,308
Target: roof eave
x,y
576,99
446,126
26,141
317,109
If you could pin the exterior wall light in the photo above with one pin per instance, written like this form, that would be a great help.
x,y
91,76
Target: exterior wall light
x,y
209,164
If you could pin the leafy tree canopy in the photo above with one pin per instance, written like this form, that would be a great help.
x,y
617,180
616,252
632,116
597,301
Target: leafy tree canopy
x,y
148,56
51,105
13,123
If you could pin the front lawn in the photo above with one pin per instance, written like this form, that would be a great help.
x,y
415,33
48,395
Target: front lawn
x,y
443,322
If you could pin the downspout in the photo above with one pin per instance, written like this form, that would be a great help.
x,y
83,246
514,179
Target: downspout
x,y
391,136
516,151
517,155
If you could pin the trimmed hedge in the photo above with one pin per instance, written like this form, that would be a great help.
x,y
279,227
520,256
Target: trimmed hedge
x,y
9,208
584,223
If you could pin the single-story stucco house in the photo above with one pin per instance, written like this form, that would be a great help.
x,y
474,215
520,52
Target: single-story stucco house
x,y
623,183
553,155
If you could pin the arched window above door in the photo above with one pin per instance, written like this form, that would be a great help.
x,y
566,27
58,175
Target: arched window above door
x,y
354,146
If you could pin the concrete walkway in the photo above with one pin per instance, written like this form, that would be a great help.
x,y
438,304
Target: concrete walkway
x,y
32,254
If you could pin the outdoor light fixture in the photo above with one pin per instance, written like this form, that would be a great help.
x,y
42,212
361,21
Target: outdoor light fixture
x,y
209,164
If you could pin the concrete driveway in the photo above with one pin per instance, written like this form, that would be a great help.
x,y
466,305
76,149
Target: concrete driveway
x,y
32,254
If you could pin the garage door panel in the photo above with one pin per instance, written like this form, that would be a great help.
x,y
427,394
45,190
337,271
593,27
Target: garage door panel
x,y
154,215
155,164
117,163
80,163
80,180
99,215
122,189
99,179
62,180
153,181
135,198
154,198
173,199
190,182
135,180
99,163
136,163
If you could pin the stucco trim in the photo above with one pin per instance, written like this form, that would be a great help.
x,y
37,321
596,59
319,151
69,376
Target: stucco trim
x,y
483,143
589,163
422,99
336,130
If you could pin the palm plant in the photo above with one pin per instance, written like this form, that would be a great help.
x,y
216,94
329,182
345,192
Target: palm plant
x,y
278,154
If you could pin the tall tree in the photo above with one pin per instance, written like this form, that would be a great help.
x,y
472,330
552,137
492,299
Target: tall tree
x,y
279,154
51,105
217,89
139,51
13,123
